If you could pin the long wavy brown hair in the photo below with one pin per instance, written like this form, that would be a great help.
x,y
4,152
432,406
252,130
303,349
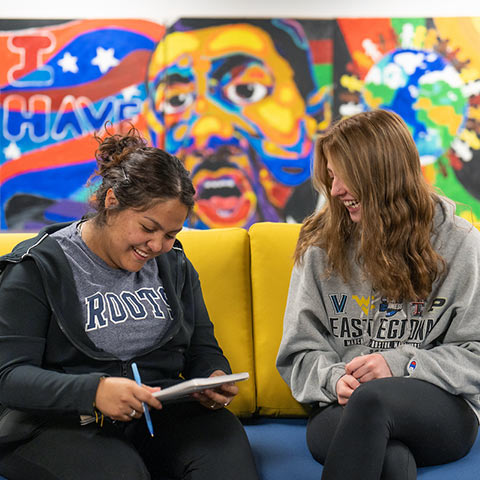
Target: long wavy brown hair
x,y
376,157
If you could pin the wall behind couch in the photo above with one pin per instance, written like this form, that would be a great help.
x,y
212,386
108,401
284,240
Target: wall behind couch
x,y
166,10
63,79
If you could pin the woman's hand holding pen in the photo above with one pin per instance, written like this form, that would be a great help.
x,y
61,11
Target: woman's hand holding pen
x,y
217,397
360,370
121,398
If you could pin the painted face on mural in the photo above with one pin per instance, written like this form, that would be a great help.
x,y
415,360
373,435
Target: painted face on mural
x,y
227,103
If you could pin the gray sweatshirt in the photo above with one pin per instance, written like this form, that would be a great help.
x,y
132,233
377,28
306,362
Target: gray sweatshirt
x,y
329,322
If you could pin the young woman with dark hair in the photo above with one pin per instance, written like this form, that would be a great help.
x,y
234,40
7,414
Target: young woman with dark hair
x,y
80,303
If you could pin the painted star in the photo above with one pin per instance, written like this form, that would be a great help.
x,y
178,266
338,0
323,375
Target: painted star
x,y
105,59
68,63
12,152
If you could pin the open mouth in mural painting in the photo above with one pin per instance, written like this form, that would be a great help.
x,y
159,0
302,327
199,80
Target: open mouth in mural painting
x,y
294,171
225,197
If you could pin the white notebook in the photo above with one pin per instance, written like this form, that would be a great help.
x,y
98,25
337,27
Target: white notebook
x,y
198,384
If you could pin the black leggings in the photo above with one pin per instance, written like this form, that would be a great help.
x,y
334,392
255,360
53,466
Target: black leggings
x,y
191,442
388,428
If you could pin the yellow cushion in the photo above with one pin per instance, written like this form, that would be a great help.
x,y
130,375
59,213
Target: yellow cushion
x,y
272,247
221,258
9,240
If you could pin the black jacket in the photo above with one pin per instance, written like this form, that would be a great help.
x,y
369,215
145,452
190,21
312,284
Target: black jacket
x,y
49,366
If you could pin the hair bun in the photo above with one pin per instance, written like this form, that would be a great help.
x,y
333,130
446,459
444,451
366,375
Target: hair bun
x,y
115,147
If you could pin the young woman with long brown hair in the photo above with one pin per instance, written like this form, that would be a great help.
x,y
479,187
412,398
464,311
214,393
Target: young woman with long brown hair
x,y
381,329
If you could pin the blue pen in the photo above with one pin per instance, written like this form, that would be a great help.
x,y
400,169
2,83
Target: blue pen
x,y
146,412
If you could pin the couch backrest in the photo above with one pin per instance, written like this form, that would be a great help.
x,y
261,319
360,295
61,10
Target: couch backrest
x,y
9,240
272,246
222,259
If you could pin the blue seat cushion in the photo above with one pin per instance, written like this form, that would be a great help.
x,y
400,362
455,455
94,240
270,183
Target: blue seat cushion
x,y
280,450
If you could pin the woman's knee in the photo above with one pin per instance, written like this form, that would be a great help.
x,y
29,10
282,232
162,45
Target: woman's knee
x,y
372,405
369,397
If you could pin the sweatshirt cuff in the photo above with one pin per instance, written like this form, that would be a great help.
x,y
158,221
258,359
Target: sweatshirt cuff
x,y
397,360
337,372
87,392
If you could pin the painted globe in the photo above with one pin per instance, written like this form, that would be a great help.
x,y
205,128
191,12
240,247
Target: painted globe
x,y
426,91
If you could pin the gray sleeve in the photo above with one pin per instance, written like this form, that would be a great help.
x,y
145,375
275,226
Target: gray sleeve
x,y
453,361
306,360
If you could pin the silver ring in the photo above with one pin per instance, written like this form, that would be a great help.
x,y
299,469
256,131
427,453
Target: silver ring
x,y
213,405
225,404
132,413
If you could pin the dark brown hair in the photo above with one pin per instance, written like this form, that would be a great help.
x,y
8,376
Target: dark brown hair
x,y
138,175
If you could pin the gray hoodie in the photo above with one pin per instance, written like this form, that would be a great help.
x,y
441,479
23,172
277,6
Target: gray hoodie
x,y
328,322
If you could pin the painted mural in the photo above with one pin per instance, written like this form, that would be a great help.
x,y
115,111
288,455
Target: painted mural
x,y
239,101
428,71
59,83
